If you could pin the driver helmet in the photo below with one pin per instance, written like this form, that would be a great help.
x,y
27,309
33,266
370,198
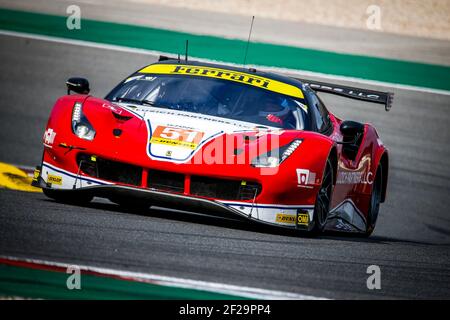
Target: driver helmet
x,y
275,109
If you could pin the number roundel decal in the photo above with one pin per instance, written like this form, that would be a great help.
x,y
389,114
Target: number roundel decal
x,y
177,137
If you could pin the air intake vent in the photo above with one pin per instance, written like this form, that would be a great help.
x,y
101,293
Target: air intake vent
x,y
120,117
110,170
223,189
166,181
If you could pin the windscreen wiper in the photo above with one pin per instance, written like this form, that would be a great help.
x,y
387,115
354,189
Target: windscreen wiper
x,y
140,102
129,100
151,103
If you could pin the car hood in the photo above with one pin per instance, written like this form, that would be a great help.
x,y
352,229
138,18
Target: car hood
x,y
176,135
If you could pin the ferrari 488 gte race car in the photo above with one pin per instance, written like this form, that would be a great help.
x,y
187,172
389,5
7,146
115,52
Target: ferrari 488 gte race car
x,y
222,140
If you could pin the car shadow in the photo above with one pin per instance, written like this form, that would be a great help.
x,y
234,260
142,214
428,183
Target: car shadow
x,y
242,224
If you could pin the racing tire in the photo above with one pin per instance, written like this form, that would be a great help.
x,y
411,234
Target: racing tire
x,y
63,197
375,200
323,200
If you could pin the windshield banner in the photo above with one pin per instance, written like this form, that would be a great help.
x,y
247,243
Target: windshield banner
x,y
236,76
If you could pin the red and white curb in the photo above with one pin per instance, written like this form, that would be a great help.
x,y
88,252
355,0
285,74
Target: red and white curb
x,y
239,291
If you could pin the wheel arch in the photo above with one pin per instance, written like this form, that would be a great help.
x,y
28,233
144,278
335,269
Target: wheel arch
x,y
334,162
384,162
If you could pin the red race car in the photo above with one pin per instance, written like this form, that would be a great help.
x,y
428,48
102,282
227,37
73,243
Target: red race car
x,y
222,140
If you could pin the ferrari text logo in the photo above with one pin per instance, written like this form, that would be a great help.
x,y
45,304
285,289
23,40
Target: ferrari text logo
x,y
225,74
230,75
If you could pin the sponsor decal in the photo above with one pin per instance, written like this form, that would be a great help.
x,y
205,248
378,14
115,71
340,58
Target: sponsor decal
x,y
345,90
303,218
54,179
198,116
112,108
49,136
230,75
305,178
345,213
354,177
177,137
140,77
343,226
286,218
303,106
134,78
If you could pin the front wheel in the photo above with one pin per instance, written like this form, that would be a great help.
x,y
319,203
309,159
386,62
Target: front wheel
x,y
323,200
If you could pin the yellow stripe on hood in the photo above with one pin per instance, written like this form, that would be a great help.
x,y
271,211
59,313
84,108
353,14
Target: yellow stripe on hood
x,y
217,73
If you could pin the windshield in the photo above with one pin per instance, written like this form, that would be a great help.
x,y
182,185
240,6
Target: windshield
x,y
214,97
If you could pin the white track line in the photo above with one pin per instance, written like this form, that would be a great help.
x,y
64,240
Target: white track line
x,y
268,68
239,291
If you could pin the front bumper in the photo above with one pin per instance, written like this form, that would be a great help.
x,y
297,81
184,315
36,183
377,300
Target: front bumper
x,y
288,216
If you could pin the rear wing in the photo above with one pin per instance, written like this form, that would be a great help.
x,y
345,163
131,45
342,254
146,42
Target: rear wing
x,y
385,98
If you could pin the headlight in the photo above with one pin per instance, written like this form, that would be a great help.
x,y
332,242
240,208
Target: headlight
x,y
275,157
80,124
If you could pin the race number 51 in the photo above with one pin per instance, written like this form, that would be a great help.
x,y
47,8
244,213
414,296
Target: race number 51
x,y
177,137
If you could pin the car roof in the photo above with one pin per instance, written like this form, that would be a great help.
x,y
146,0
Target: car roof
x,y
269,75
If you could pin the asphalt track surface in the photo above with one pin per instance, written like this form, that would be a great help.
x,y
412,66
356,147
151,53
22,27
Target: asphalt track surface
x,y
411,243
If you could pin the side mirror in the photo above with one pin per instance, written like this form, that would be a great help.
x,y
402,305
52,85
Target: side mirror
x,y
78,85
352,136
350,129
